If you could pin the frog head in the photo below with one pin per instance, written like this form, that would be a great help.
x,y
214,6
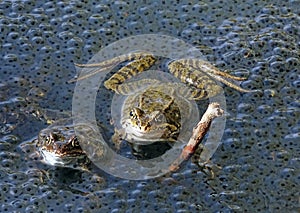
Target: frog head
x,y
60,147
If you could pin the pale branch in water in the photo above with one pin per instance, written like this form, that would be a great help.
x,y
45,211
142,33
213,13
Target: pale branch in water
x,y
213,111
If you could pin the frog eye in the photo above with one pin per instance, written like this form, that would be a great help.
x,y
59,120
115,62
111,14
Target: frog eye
x,y
132,114
48,140
136,113
74,141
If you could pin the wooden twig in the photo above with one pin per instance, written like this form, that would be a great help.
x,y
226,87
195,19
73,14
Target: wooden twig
x,y
213,111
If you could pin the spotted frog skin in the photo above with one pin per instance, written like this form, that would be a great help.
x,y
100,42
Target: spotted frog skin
x,y
152,110
154,114
59,146
156,111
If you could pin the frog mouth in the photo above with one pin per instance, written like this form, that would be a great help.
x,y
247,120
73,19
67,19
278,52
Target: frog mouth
x,y
55,159
52,158
142,134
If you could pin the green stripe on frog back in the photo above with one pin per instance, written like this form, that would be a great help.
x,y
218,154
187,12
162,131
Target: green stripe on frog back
x,y
128,71
202,86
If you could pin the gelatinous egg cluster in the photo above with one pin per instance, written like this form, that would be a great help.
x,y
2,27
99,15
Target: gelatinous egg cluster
x,y
257,165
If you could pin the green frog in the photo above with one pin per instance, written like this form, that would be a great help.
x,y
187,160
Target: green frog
x,y
154,110
59,146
